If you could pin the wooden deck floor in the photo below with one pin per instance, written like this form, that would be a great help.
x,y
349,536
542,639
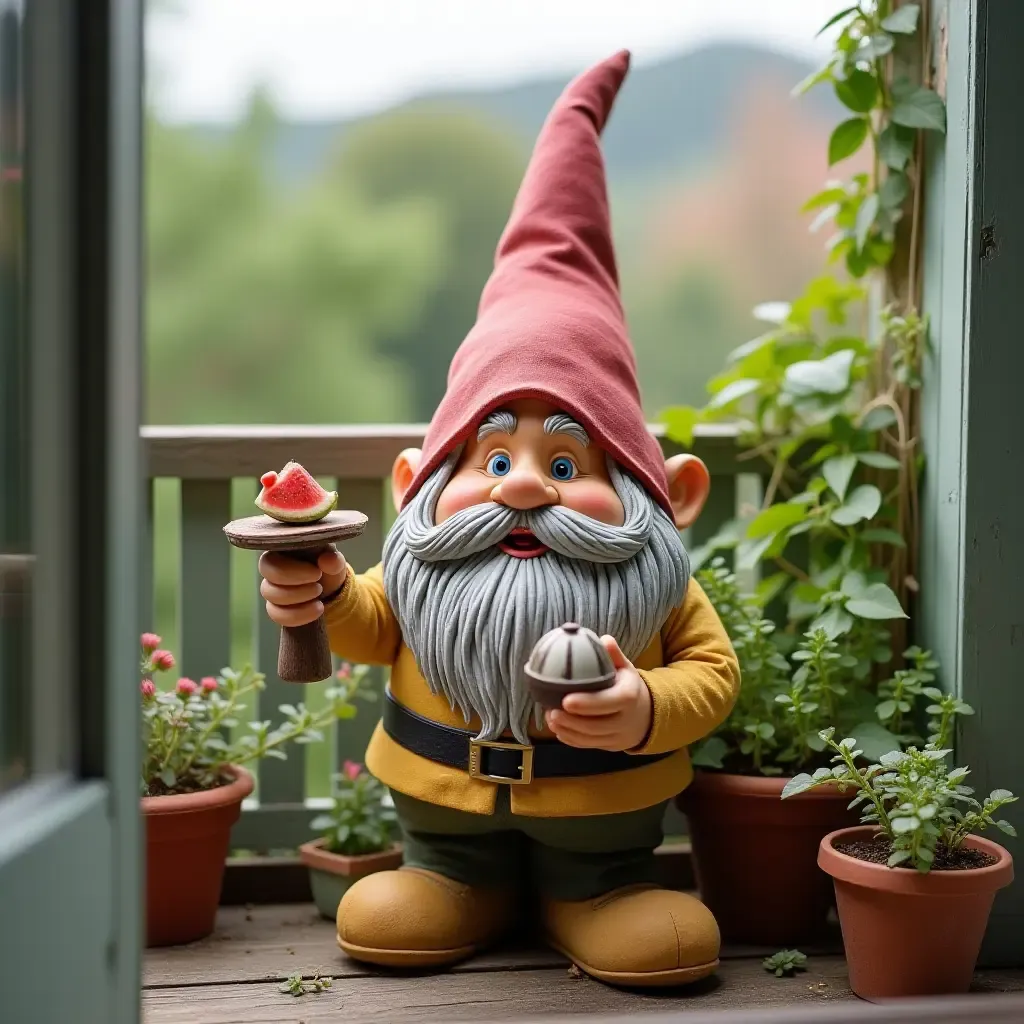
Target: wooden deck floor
x,y
234,977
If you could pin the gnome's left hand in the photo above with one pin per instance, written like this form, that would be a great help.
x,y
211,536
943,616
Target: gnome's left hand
x,y
618,718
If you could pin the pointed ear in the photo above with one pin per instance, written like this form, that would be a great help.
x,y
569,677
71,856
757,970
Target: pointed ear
x,y
688,485
402,473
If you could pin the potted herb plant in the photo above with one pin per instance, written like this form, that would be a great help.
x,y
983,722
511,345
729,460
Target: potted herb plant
x,y
768,891
914,883
357,838
826,406
194,780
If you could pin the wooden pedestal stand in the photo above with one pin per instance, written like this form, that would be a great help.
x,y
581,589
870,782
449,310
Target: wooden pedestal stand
x,y
303,653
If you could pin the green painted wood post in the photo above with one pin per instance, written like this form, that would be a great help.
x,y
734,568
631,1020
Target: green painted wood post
x,y
204,594
972,606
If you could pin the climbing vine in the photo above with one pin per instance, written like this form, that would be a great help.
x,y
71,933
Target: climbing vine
x,y
826,399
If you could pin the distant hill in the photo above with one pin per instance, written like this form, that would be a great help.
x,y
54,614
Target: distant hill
x,y
669,116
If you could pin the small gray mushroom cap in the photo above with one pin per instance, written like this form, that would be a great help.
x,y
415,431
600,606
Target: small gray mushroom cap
x,y
570,654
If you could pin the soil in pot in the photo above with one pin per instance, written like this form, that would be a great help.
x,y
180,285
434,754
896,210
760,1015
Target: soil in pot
x,y
187,839
755,855
908,934
331,874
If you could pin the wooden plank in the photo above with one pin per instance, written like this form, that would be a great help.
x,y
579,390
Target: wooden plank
x,y
261,943
354,452
821,996
491,995
973,572
147,579
263,880
352,736
204,594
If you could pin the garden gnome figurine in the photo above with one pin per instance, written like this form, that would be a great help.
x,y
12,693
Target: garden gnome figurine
x,y
539,499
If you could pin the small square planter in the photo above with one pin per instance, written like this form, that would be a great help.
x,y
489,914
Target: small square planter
x,y
331,874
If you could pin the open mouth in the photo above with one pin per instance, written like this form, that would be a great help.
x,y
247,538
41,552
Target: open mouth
x,y
521,543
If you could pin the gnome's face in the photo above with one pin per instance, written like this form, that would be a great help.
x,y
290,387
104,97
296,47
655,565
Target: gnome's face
x,y
526,526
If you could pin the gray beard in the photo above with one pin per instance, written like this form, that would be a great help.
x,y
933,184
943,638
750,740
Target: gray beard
x,y
471,614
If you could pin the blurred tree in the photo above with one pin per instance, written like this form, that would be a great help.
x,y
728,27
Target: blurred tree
x,y
264,304
682,326
472,170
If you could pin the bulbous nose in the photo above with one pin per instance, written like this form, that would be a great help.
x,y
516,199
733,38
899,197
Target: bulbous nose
x,y
524,488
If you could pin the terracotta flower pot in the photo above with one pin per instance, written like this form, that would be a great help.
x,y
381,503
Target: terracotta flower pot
x,y
331,874
908,934
754,855
187,840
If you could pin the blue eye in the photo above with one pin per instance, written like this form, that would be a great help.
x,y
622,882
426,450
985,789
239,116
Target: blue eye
x,y
499,465
563,468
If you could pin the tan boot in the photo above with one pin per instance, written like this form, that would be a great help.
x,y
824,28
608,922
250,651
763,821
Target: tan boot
x,y
636,936
416,918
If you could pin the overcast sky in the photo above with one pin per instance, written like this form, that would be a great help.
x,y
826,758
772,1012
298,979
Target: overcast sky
x,y
330,58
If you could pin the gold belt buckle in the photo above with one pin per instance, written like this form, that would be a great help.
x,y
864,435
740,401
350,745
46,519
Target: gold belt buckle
x,y
476,762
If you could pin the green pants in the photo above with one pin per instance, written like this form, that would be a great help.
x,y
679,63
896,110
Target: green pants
x,y
565,858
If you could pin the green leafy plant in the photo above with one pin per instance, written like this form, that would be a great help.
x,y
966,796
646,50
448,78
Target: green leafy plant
x,y
790,695
785,963
186,730
918,805
360,820
826,404
296,985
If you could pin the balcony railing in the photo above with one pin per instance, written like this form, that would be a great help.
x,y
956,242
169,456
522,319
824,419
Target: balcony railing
x,y
201,477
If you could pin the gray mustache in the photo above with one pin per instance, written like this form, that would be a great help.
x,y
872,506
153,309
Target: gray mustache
x,y
569,533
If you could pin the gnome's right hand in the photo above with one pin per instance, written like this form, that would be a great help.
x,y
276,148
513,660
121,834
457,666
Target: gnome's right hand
x,y
294,589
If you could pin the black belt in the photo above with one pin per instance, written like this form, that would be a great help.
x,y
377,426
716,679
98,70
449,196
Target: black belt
x,y
512,763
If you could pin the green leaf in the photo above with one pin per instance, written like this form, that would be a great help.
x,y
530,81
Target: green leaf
x,y
771,312
830,375
878,460
734,391
863,503
883,537
750,552
1004,826
878,419
846,139
866,219
837,473
798,784
859,91
898,858
874,740
710,753
821,75
902,21
679,423
886,710
168,778
775,518
896,146
827,197
877,602
878,45
904,823
835,621
835,18
1000,795
920,108
894,190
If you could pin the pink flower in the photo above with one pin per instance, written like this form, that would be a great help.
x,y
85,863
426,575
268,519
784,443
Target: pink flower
x,y
163,660
150,642
186,687
208,683
345,672
148,688
351,770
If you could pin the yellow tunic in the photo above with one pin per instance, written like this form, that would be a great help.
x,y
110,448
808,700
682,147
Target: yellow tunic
x,y
689,667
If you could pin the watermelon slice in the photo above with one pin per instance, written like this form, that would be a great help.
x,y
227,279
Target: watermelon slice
x,y
293,496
